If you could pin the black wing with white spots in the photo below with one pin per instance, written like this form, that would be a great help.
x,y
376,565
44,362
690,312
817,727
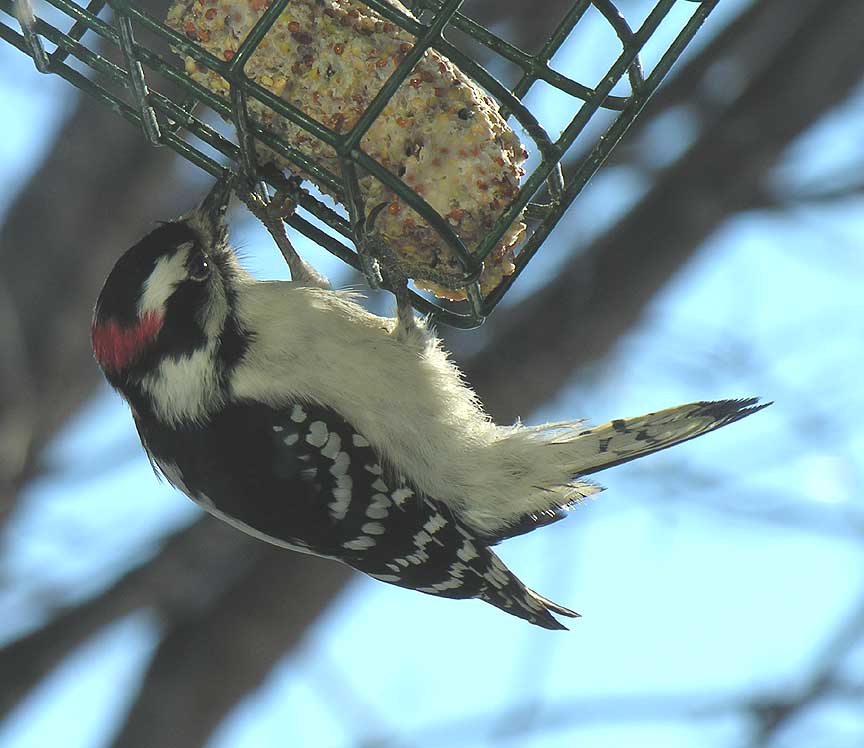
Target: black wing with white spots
x,y
304,478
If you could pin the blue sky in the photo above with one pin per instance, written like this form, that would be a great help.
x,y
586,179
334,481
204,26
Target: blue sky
x,y
694,576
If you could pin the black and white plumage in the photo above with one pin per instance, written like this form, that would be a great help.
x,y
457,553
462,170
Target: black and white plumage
x,y
289,411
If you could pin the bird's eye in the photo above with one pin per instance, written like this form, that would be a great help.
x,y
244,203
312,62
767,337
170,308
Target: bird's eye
x,y
199,268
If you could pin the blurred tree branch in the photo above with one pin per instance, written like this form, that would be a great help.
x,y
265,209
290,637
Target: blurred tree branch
x,y
834,191
768,711
774,711
253,603
100,184
191,568
207,662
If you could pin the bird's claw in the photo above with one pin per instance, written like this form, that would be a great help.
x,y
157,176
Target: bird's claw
x,y
382,268
284,203
271,212
367,243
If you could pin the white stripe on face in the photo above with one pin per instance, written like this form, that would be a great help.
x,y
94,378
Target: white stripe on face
x,y
161,283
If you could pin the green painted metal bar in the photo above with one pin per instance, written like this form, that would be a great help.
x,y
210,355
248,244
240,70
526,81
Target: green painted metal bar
x,y
536,180
595,159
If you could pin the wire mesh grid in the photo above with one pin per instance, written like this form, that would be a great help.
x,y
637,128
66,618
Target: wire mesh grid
x,y
148,85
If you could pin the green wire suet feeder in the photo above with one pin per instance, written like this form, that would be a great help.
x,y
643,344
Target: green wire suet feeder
x,y
166,92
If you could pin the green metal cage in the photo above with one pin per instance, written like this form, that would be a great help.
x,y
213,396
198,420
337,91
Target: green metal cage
x,y
128,80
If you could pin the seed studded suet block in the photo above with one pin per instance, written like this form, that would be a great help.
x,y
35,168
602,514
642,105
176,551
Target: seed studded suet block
x,y
440,133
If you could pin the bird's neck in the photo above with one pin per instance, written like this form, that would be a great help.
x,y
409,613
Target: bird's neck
x,y
186,389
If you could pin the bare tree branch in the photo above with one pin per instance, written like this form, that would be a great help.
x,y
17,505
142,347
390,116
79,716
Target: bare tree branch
x,y
207,662
520,20
190,570
833,191
706,83
774,711
98,186
769,710
522,718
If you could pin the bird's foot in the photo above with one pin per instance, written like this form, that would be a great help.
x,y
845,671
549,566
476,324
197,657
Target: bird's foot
x,y
383,268
272,212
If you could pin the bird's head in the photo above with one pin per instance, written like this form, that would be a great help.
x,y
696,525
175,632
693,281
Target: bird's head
x,y
167,303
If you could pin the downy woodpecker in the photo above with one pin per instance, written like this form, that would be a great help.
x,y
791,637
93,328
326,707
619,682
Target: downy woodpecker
x,y
289,411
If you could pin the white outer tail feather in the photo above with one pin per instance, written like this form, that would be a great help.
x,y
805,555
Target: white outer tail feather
x,y
628,439
547,463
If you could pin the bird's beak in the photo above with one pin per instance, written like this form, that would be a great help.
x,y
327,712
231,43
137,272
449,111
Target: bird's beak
x,y
211,217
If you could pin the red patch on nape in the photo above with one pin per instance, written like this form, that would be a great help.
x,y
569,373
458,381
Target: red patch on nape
x,y
115,347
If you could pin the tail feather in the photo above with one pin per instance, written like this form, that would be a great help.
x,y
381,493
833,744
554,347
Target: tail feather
x,y
555,607
529,522
577,451
542,470
624,439
504,590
